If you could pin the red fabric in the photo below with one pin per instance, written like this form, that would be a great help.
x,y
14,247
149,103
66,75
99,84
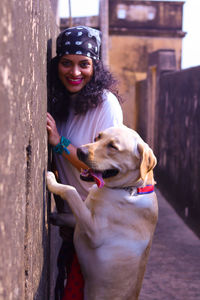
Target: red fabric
x,y
75,282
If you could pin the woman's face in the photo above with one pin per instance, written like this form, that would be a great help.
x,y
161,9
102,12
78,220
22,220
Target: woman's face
x,y
75,71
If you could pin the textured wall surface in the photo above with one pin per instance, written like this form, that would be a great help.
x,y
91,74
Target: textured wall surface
x,y
178,139
26,30
174,98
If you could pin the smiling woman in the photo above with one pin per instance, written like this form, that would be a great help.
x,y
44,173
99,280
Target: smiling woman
x,y
83,104
75,71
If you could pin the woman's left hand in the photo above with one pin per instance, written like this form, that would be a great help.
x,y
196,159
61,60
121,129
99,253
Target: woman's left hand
x,y
53,135
54,139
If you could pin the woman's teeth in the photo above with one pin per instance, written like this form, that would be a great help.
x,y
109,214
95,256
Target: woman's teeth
x,y
75,80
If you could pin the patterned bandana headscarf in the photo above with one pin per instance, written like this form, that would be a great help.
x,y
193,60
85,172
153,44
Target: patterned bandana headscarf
x,y
81,40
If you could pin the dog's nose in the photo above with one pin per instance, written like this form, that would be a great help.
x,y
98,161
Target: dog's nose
x,y
82,154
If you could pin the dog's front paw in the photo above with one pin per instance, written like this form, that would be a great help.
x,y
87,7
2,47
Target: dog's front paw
x,y
51,180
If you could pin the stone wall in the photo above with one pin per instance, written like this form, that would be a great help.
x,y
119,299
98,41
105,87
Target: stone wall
x,y
169,109
27,28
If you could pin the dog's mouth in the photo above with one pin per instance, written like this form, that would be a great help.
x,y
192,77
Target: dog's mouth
x,y
98,176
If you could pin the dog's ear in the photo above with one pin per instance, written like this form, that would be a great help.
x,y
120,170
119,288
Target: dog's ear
x,y
148,160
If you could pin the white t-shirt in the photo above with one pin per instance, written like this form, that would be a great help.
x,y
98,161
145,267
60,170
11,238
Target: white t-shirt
x,y
82,129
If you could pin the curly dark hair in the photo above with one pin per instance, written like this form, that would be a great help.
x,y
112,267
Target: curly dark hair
x,y
88,98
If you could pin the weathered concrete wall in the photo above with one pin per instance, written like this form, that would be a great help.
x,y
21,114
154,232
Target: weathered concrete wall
x,y
169,109
26,30
178,139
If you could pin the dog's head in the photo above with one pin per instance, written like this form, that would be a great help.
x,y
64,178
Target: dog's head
x,y
119,158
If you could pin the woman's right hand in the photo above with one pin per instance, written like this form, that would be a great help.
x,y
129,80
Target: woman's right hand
x,y
53,135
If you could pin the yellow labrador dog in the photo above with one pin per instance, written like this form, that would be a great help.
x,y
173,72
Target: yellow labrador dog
x,y
115,225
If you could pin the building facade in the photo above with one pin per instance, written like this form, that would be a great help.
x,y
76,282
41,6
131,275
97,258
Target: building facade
x,y
137,28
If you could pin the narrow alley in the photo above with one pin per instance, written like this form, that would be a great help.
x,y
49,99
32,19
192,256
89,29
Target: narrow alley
x,y
173,270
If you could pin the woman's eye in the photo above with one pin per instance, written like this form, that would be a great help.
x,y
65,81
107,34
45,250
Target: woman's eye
x,y
111,145
84,65
65,63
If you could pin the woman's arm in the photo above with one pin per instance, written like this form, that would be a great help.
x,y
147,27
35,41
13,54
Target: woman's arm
x,y
54,139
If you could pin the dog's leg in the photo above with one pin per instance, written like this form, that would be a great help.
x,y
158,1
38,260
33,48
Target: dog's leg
x,y
69,193
62,219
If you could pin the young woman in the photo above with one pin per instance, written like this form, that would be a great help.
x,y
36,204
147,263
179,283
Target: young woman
x,y
84,103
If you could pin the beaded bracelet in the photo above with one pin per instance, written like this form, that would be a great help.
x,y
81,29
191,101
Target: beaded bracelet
x,y
62,146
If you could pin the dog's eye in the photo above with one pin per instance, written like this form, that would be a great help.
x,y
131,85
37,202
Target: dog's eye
x,y
111,145
97,138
